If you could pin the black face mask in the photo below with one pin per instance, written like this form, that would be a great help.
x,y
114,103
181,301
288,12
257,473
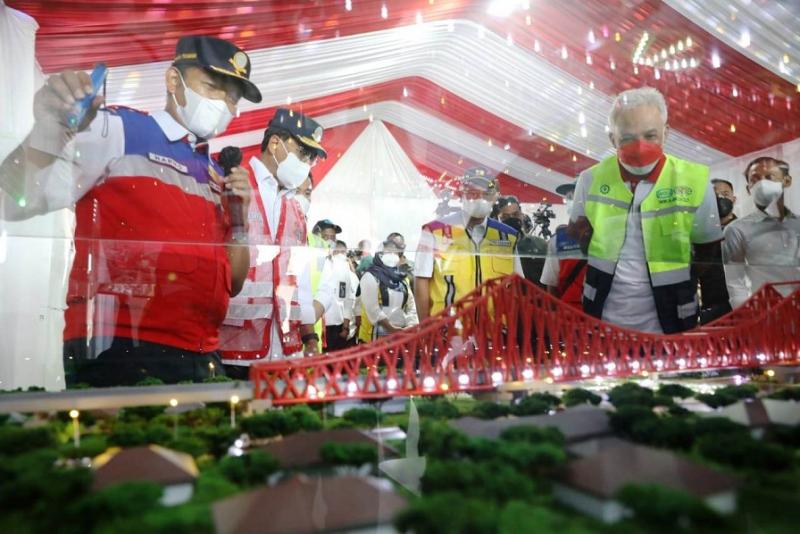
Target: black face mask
x,y
513,222
725,206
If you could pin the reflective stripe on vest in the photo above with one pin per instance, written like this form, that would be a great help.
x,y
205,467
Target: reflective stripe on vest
x,y
667,217
457,271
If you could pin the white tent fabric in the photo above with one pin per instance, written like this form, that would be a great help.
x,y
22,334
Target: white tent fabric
x,y
34,254
374,189
432,129
460,56
765,32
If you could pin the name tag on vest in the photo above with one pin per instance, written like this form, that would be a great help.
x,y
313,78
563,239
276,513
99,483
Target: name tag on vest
x,y
500,242
169,162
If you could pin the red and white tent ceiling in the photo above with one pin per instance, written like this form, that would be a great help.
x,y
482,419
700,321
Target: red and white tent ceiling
x,y
522,87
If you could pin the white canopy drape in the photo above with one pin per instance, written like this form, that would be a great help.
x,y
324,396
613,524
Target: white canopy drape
x,y
373,190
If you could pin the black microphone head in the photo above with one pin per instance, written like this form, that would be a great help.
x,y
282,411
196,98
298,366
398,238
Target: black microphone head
x,y
229,157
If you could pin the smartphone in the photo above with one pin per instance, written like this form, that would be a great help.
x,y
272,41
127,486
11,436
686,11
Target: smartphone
x,y
75,117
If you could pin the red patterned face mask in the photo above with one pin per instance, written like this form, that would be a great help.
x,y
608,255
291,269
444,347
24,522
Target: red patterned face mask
x,y
639,157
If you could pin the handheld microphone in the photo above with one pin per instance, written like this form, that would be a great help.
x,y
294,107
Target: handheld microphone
x,y
230,157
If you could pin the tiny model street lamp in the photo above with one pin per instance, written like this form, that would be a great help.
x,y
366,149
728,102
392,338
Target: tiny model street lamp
x,y
234,402
76,432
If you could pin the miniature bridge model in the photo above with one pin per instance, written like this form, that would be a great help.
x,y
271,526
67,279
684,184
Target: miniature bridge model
x,y
508,329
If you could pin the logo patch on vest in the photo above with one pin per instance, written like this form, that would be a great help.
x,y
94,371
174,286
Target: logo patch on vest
x,y
669,194
169,162
500,242
605,188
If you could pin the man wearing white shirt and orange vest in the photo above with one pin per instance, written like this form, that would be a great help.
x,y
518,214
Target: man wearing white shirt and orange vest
x,y
651,224
273,317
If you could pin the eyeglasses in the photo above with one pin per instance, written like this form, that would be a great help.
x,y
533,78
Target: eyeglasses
x,y
304,153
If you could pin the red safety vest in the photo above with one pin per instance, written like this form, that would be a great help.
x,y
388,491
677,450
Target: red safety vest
x,y
570,284
270,291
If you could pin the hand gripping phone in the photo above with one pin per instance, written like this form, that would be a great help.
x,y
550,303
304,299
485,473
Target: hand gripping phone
x,y
75,117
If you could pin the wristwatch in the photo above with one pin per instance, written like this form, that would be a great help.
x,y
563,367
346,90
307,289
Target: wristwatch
x,y
308,337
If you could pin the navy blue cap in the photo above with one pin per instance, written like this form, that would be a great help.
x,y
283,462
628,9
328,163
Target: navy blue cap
x,y
479,178
565,189
219,56
325,224
302,127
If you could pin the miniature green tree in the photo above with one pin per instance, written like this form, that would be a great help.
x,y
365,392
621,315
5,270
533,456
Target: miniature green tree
x,y
530,406
792,393
435,514
626,416
437,408
655,505
675,390
16,440
489,410
741,451
576,396
355,454
363,417
250,469
439,440
268,424
631,393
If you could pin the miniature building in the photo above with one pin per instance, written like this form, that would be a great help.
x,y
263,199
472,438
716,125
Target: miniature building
x,y
590,484
174,471
303,448
757,414
576,424
590,447
306,504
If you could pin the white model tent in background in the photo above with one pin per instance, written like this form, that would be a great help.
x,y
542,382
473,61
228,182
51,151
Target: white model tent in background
x,y
373,190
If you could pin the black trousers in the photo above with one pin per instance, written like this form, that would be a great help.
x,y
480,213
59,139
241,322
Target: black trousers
x,y
333,340
127,362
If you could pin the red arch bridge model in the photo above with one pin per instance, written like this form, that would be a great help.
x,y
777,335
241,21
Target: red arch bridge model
x,y
510,330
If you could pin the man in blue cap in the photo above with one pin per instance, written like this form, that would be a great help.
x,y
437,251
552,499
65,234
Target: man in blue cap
x,y
274,315
155,261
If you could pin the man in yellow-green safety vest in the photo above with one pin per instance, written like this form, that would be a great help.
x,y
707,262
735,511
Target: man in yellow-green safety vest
x,y
652,228
460,251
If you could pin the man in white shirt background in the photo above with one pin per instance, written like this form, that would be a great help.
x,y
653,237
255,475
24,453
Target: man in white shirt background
x,y
763,246
338,279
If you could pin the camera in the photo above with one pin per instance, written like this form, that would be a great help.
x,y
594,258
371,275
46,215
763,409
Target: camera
x,y
541,220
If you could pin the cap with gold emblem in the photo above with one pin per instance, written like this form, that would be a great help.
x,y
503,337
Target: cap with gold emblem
x,y
220,56
479,178
302,127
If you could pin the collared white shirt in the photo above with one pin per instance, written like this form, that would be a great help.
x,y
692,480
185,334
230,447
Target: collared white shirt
x,y
759,249
271,196
336,285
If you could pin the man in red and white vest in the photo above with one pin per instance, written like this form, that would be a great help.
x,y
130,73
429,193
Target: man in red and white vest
x,y
273,317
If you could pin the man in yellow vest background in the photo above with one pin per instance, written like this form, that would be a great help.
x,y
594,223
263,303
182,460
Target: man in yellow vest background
x,y
652,227
462,250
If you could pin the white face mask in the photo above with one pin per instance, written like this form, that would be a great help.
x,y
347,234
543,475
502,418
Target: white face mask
x,y
765,192
639,171
390,259
291,171
203,116
477,208
304,203
339,258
